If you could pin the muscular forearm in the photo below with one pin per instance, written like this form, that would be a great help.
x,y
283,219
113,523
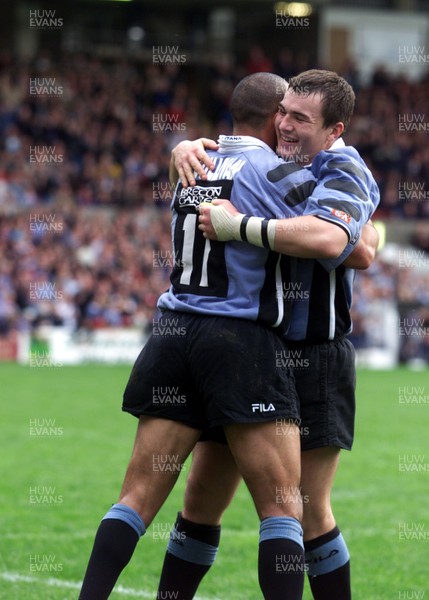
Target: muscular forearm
x,y
309,237
304,237
366,249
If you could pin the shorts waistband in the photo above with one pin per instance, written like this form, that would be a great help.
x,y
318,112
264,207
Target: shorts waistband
x,y
305,343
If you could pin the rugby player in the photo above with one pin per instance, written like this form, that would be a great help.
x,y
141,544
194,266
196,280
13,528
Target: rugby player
x,y
312,116
220,315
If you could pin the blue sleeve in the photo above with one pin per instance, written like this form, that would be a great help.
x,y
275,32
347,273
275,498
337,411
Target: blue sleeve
x,y
346,193
329,264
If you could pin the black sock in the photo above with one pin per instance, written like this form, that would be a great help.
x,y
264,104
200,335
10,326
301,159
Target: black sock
x,y
281,559
114,544
191,552
328,563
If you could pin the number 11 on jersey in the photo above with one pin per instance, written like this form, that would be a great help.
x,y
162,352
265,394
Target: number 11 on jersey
x,y
190,229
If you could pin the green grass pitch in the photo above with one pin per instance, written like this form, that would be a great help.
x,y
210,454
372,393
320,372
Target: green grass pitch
x,y
381,506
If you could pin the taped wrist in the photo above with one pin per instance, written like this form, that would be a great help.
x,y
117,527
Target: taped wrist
x,y
258,231
255,230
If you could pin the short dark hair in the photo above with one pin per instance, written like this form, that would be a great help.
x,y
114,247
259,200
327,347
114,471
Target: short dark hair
x,y
256,98
338,97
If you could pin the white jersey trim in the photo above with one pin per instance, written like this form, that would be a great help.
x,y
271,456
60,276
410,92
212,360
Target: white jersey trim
x,y
332,287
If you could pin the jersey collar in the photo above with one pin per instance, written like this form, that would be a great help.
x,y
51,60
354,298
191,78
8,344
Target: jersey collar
x,y
240,143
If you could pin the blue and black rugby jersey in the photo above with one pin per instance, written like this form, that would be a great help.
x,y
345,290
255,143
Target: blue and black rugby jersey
x,y
321,301
346,192
346,195
235,279
249,282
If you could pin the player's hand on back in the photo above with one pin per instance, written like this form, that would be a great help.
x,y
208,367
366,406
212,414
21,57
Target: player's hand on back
x,y
189,157
217,220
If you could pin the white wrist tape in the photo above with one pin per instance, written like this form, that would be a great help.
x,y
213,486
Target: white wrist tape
x,y
255,230
226,225
258,232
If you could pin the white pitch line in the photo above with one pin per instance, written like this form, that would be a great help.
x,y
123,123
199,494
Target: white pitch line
x,y
149,534
47,534
63,583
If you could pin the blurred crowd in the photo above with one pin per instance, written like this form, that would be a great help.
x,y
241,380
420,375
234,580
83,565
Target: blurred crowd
x,y
391,131
84,192
87,132
391,303
82,268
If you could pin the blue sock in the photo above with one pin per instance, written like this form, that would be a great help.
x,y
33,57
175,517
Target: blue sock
x,y
328,566
281,527
281,559
326,553
114,544
191,551
128,515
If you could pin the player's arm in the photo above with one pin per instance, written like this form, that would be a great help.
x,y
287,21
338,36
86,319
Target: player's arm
x,y
347,195
364,253
309,237
188,158
303,237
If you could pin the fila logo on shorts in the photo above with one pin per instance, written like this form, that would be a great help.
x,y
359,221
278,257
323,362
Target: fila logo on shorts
x,y
262,408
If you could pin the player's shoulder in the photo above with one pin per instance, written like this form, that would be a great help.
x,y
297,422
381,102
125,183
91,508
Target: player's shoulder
x,y
257,163
342,153
342,170
347,153
345,158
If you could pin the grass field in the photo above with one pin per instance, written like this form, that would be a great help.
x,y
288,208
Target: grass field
x,y
55,488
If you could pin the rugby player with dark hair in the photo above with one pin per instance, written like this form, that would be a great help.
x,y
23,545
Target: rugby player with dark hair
x,y
311,118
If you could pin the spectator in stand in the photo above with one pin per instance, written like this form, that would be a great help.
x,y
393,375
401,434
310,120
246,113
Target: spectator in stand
x,y
101,124
95,271
258,61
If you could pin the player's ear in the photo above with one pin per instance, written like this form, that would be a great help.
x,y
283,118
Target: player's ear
x,y
337,131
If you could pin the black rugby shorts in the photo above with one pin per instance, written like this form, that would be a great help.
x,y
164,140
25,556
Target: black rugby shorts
x,y
325,379
207,371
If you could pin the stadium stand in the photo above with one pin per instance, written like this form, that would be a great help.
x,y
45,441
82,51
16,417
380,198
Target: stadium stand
x,y
84,191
